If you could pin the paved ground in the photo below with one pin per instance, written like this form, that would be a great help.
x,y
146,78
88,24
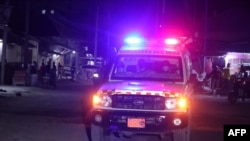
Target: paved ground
x,y
56,114
62,85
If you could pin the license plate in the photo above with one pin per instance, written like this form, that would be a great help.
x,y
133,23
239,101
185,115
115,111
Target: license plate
x,y
136,123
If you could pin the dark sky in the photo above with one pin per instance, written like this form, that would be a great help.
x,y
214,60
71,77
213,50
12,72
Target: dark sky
x,y
123,16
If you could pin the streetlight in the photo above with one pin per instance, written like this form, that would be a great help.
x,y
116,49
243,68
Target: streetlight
x,y
44,11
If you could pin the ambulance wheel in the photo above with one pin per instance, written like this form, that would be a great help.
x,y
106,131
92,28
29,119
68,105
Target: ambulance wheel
x,y
98,134
181,134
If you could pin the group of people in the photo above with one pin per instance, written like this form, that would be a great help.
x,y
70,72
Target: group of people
x,y
49,73
223,80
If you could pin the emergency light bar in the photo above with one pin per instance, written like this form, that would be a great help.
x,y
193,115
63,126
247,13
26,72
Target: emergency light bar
x,y
138,40
149,52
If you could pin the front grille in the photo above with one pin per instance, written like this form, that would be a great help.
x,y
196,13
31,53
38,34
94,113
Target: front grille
x,y
146,102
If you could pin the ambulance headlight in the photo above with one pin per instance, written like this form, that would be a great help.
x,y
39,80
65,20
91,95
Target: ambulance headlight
x,y
102,100
179,103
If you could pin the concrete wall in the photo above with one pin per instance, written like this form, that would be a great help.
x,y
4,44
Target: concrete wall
x,y
34,50
13,53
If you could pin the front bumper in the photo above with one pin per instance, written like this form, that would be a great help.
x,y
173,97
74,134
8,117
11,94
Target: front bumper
x,y
154,121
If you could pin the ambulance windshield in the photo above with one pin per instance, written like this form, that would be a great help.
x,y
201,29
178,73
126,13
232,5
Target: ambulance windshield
x,y
158,68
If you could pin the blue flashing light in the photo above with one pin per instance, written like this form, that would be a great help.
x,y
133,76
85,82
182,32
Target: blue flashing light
x,y
133,40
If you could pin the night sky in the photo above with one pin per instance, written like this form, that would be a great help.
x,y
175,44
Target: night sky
x,y
123,15
77,18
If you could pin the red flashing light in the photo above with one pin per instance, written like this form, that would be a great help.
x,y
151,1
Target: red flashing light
x,y
171,41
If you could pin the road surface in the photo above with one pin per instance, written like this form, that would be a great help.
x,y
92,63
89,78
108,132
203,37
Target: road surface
x,y
56,115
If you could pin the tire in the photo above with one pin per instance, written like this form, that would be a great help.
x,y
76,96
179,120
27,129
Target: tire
x,y
98,134
232,98
181,134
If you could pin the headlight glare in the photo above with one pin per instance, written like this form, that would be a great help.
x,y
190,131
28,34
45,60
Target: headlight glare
x,y
176,103
170,103
102,100
106,101
182,103
96,100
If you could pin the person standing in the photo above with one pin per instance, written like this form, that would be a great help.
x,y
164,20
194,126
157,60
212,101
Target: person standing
x,y
226,78
60,69
241,84
48,68
53,75
215,79
41,74
73,69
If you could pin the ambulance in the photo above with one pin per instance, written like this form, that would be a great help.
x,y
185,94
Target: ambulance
x,y
147,93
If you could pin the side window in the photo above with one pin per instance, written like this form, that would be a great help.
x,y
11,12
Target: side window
x,y
120,67
188,66
166,66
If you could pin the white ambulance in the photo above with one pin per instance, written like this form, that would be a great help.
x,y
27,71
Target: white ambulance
x,y
147,92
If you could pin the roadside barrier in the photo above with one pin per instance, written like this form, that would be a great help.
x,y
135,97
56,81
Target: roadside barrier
x,y
19,78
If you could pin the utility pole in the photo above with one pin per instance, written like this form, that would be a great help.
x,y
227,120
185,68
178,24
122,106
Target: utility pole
x,y
163,12
205,36
26,45
189,17
108,30
5,35
163,7
96,32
